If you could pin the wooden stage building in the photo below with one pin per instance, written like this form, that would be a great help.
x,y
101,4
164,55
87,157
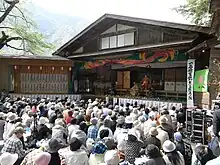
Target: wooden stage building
x,y
35,74
116,51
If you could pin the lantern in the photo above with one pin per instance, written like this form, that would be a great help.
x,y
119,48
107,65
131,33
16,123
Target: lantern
x,y
61,68
70,68
29,67
53,68
15,67
41,67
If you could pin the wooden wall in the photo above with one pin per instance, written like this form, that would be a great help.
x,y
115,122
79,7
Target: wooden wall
x,y
4,73
36,70
7,68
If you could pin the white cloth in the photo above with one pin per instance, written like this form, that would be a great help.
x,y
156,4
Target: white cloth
x,y
120,137
71,129
215,161
78,157
9,127
162,135
147,126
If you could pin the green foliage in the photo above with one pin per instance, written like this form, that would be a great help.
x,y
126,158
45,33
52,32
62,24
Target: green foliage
x,y
18,23
196,10
34,41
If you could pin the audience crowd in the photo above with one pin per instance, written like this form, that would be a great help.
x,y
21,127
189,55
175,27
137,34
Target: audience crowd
x,y
94,132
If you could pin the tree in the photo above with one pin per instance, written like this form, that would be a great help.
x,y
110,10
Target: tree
x,y
18,31
196,10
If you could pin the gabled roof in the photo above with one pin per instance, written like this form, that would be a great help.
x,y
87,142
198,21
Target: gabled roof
x,y
33,57
94,27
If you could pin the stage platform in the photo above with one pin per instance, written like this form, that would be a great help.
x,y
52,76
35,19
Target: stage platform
x,y
52,96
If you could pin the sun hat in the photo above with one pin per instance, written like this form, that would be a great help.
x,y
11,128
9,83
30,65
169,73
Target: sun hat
x,y
99,148
54,145
128,120
59,122
8,159
112,157
109,142
178,136
11,117
94,121
89,144
42,158
19,130
153,131
168,146
43,120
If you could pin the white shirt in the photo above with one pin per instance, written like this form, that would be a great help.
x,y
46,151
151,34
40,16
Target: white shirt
x,y
78,157
215,161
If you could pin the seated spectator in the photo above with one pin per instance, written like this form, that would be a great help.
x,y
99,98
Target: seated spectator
x,y
14,145
172,156
76,156
152,139
93,129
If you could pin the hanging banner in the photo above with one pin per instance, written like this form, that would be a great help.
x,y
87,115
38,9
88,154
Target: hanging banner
x,y
190,78
201,81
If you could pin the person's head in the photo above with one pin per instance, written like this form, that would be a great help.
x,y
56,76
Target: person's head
x,y
83,126
153,131
147,111
201,152
94,121
8,159
152,151
107,123
42,158
73,121
169,149
164,112
70,113
54,145
178,136
104,133
19,131
75,144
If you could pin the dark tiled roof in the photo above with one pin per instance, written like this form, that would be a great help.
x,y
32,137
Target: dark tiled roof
x,y
33,57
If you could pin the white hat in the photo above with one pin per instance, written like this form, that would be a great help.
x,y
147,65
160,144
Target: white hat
x,y
128,120
8,159
153,131
90,100
112,157
11,116
43,120
89,144
169,146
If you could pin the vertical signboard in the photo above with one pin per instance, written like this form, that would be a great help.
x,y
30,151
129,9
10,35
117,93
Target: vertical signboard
x,y
190,78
